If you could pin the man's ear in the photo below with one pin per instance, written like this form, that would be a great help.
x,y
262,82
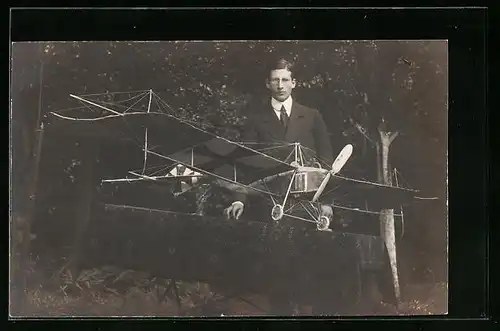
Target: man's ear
x,y
294,82
267,83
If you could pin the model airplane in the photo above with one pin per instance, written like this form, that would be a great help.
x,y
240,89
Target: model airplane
x,y
188,154
278,172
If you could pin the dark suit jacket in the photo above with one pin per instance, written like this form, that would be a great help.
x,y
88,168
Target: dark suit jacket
x,y
305,126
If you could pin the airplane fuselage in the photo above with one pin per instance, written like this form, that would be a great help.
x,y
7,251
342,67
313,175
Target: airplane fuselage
x,y
306,179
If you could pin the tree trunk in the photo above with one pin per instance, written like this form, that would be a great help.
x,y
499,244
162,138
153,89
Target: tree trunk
x,y
387,215
21,230
83,211
379,163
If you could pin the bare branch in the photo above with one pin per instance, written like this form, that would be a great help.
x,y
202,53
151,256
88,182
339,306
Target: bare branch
x,y
361,130
393,136
387,137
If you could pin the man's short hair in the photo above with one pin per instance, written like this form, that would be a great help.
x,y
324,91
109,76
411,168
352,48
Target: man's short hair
x,y
280,63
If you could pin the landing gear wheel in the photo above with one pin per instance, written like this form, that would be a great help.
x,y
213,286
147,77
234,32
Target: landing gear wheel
x,y
277,212
323,223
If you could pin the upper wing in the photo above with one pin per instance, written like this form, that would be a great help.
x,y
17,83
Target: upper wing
x,y
173,139
128,120
164,130
179,140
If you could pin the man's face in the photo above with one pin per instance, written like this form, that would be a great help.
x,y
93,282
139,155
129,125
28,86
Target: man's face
x,y
281,84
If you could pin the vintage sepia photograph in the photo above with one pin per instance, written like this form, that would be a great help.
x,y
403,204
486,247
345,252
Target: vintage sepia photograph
x,y
229,178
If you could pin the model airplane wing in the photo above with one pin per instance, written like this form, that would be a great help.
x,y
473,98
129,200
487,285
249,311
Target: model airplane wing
x,y
351,192
173,139
164,130
228,162
183,142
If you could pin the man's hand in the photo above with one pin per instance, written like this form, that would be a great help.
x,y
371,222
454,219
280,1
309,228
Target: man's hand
x,y
327,210
235,210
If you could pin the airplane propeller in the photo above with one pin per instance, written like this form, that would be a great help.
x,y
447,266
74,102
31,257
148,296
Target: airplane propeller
x,y
337,165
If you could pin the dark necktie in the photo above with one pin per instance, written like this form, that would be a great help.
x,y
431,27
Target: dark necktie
x,y
283,116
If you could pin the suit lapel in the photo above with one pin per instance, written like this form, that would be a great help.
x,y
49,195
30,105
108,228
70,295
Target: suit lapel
x,y
272,123
294,123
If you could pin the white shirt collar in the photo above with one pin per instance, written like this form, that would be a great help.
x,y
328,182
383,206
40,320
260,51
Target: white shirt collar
x,y
277,106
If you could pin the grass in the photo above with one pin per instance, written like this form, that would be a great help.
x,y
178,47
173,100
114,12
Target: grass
x,y
111,291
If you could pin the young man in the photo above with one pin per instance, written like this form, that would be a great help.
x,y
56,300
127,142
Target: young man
x,y
282,119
